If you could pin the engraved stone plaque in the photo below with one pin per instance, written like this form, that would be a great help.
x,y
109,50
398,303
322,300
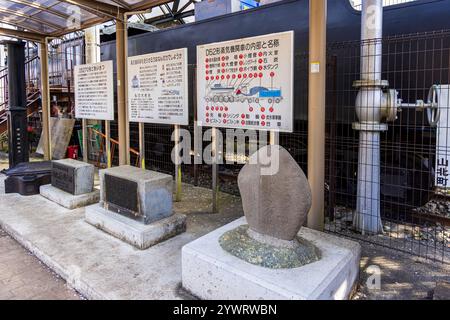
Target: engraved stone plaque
x,y
72,176
142,195
122,196
63,177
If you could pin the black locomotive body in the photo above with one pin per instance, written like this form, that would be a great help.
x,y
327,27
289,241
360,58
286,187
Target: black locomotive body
x,y
408,148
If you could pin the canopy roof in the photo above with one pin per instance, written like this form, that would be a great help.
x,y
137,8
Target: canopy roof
x,y
53,18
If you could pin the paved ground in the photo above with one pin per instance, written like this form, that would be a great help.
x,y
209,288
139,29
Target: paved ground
x,y
22,276
402,276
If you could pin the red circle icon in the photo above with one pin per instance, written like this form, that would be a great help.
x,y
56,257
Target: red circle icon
x,y
245,75
226,108
223,64
228,76
263,123
206,60
243,122
255,75
223,58
243,116
260,68
260,60
263,117
233,76
207,120
271,109
263,109
207,114
217,108
250,75
260,75
251,109
241,63
224,115
241,69
260,54
241,56
207,78
272,74
239,76
222,77
207,108
221,108
223,70
217,78
224,121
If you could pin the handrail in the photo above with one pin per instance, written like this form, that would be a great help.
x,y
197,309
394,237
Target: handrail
x,y
26,62
113,140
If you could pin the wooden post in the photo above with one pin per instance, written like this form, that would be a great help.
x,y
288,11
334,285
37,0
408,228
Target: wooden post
x,y
121,91
316,111
214,170
108,143
45,93
142,144
178,180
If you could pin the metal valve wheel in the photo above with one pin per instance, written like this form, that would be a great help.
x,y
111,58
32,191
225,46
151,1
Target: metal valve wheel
x,y
433,111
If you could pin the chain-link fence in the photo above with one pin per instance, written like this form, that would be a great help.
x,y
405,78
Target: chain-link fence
x,y
414,214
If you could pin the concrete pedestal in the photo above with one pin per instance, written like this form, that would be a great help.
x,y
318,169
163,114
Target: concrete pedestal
x,y
68,200
135,233
209,272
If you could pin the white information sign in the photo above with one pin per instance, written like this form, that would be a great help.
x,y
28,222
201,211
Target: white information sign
x,y
247,83
158,88
443,139
94,91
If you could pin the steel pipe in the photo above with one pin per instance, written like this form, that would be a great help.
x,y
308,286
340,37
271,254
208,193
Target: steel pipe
x,y
369,103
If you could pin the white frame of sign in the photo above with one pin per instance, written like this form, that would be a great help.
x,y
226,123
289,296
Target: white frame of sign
x,y
133,71
247,105
107,115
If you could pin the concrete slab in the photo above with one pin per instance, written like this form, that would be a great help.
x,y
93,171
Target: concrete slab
x,y
209,272
100,266
135,233
68,200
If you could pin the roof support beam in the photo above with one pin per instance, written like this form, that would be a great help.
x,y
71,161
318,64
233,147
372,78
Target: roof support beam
x,y
39,6
21,25
122,4
37,37
148,4
99,8
27,16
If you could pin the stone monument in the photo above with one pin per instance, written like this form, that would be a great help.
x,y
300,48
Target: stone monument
x,y
276,206
72,184
269,254
136,206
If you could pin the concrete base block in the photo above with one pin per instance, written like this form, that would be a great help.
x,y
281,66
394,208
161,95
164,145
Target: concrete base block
x,y
209,272
68,200
135,233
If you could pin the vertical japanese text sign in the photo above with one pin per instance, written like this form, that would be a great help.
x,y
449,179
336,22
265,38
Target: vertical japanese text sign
x,y
443,139
247,83
94,91
158,88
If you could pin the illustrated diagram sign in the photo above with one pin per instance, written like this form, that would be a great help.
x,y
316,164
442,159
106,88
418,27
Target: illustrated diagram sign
x,y
158,88
94,91
443,139
247,83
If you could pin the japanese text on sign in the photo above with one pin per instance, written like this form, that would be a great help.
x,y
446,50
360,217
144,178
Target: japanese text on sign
x,y
157,88
247,83
443,139
94,91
